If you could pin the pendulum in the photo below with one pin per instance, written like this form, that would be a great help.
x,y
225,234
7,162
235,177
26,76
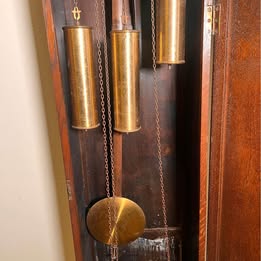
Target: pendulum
x,y
129,223
117,220
79,49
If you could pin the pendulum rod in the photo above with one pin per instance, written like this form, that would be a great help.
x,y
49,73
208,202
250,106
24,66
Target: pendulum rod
x,y
158,134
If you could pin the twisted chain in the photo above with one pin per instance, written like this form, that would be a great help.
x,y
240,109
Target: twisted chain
x,y
103,113
114,248
158,135
115,238
108,95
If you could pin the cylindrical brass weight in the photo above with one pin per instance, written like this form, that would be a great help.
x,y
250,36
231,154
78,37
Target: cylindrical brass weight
x,y
171,32
79,49
125,72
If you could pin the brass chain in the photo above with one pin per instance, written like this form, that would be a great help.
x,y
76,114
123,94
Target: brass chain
x,y
108,95
103,112
158,133
114,248
115,238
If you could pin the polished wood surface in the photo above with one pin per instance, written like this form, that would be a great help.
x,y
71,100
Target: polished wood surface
x,y
234,198
206,99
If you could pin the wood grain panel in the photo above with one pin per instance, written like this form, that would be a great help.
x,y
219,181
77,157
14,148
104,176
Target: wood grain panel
x,y
206,100
234,213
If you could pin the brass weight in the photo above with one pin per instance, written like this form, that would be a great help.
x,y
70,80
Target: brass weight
x,y
79,49
125,73
171,32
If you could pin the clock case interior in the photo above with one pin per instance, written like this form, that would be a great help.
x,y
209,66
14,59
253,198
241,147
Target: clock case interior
x,y
179,97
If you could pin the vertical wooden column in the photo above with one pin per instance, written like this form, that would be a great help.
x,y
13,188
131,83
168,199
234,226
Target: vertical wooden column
x,y
234,199
206,93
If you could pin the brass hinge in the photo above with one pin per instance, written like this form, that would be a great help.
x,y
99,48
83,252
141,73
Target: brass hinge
x,y
213,21
69,189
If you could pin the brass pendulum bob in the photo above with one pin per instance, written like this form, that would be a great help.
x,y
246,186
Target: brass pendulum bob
x,y
117,220
170,35
79,49
128,226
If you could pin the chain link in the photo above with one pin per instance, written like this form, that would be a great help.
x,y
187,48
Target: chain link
x,y
108,95
115,238
158,134
114,248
